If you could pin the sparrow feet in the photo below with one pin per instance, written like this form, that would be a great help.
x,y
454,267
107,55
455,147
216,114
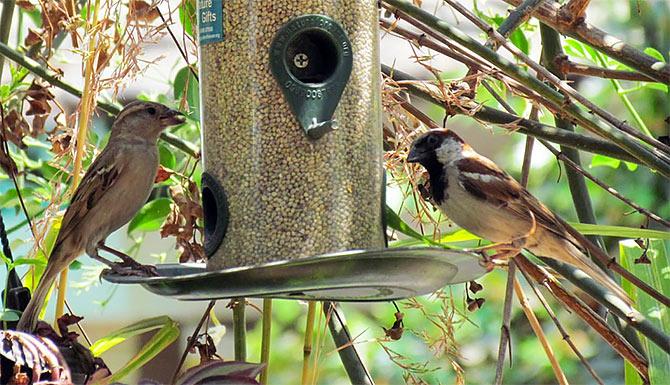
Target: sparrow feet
x,y
134,268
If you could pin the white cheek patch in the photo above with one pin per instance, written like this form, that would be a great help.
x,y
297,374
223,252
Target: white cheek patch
x,y
449,152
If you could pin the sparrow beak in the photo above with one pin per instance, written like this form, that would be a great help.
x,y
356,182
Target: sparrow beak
x,y
414,155
172,118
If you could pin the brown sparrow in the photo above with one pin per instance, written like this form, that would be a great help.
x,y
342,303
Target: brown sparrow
x,y
113,189
481,198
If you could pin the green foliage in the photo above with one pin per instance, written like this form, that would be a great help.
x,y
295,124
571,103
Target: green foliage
x,y
656,273
168,332
151,216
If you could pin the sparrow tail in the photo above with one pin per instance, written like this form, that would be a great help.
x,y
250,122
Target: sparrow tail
x,y
577,259
29,318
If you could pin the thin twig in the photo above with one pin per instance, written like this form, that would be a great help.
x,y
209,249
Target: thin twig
x,y
353,364
564,89
651,157
265,339
614,339
566,66
194,338
537,328
505,339
53,79
517,17
561,329
602,41
307,345
239,328
516,123
176,43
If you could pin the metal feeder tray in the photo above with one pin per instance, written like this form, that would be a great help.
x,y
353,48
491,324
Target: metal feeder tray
x,y
353,276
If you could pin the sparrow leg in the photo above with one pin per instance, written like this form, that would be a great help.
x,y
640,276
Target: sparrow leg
x,y
128,261
117,268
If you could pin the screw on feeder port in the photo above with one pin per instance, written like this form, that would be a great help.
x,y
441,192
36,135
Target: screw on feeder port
x,y
300,60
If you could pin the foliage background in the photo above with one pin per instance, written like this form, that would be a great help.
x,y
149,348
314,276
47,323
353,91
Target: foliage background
x,y
425,353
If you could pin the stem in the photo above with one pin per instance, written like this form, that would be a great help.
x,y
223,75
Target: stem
x,y
240,329
517,123
614,339
548,13
353,364
505,328
53,79
537,328
552,50
624,99
192,340
307,346
265,341
569,67
516,18
513,70
561,329
85,110
5,26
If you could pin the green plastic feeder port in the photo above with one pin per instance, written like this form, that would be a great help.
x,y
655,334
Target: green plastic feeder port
x,y
291,129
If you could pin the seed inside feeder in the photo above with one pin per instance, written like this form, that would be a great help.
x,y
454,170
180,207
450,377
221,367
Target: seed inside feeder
x,y
290,196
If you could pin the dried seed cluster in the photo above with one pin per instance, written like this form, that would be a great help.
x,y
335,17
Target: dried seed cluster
x,y
289,196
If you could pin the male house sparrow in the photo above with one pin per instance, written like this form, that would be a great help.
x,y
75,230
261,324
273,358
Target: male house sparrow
x,y
113,189
481,198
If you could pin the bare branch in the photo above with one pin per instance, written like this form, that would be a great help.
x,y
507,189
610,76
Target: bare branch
x,y
548,13
565,66
574,11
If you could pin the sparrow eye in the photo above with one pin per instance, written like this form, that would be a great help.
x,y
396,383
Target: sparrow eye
x,y
151,111
432,140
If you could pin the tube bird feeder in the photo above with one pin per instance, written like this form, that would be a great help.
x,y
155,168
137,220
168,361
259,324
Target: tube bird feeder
x,y
293,182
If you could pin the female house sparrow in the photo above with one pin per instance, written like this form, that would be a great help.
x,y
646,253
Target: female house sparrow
x,y
114,188
481,198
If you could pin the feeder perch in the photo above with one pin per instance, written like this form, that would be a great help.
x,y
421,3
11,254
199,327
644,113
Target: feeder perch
x,y
293,183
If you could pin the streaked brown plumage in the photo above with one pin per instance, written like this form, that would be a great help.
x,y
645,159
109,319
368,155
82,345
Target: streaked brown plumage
x,y
111,192
480,197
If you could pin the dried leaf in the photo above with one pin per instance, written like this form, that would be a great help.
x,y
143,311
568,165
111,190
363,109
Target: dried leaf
x,y
163,174
38,125
33,37
15,128
25,5
140,10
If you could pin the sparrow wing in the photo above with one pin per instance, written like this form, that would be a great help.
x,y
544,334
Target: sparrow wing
x,y
484,179
103,173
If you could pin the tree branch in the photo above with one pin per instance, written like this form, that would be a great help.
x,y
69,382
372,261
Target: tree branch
x,y
614,339
566,66
648,157
548,13
112,109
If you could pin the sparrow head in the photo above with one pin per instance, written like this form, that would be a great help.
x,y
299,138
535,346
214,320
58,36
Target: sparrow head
x,y
435,146
145,119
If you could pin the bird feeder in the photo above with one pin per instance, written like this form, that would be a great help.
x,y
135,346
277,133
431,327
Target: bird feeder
x,y
293,182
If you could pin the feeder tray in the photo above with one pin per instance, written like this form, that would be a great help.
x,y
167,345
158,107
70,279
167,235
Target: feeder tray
x,y
354,276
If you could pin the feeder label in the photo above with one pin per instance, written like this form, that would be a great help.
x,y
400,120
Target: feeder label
x,y
210,21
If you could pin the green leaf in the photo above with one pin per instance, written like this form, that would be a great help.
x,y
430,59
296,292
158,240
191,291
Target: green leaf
x,y
657,275
151,216
599,160
186,15
656,86
574,48
9,315
653,52
168,333
619,231
394,221
519,39
185,84
30,261
167,157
